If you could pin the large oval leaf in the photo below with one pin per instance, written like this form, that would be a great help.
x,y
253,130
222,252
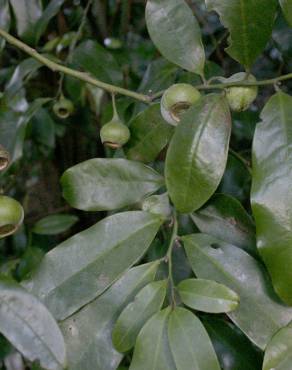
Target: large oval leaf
x,y
278,355
234,350
260,314
149,135
176,33
250,24
146,303
207,295
82,267
101,184
225,218
30,327
152,348
286,6
190,344
271,195
88,332
197,155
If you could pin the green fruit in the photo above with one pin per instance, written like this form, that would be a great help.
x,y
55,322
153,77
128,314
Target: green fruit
x,y
112,43
63,108
158,205
239,97
4,158
114,134
176,100
11,215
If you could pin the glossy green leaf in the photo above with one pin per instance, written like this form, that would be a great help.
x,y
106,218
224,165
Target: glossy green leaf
x,y
93,58
176,33
260,314
271,191
146,303
98,256
106,184
207,295
88,332
234,350
286,6
278,355
193,171
27,13
152,348
30,327
54,224
149,135
226,219
250,24
190,344
43,128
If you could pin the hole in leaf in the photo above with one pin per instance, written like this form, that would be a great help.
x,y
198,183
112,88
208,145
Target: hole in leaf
x,y
215,246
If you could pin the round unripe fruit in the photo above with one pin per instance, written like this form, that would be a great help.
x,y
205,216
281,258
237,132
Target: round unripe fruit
x,y
63,108
11,215
240,97
114,134
4,158
176,100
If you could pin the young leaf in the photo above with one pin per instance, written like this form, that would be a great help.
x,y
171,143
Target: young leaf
x,y
88,332
190,344
152,348
30,327
104,184
98,256
207,296
225,218
149,135
278,353
193,171
147,302
26,13
234,350
250,24
286,6
271,195
260,314
176,33
54,224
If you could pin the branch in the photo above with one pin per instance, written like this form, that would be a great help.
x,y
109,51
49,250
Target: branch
x,y
72,72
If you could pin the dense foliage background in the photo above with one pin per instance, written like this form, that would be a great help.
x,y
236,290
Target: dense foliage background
x,y
109,40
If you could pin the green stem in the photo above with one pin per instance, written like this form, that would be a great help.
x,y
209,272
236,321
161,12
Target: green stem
x,y
72,72
168,258
241,159
119,90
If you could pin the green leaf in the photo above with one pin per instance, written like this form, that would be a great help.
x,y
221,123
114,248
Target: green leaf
x,y
225,218
147,302
149,135
43,128
190,344
193,171
27,13
271,191
176,33
88,332
106,184
260,314
278,353
152,348
30,327
286,6
207,296
98,256
93,58
234,350
250,24
54,224
5,19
